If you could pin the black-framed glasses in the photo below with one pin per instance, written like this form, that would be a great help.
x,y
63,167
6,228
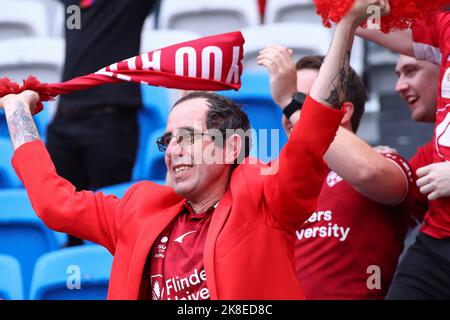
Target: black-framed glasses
x,y
184,138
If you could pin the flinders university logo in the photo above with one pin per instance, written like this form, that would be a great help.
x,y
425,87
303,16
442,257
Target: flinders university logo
x,y
333,179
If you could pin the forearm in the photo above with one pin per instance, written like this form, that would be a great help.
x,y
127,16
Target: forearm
x,y
329,87
399,41
292,192
370,173
21,126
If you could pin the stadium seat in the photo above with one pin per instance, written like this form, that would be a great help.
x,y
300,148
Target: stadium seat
x,y
357,57
10,279
208,17
78,273
41,57
264,114
156,39
43,118
8,178
22,18
119,189
381,64
291,11
154,166
151,117
55,13
304,11
22,234
4,133
302,38
149,23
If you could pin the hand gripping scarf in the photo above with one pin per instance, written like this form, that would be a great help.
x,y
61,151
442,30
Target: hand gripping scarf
x,y
211,63
403,12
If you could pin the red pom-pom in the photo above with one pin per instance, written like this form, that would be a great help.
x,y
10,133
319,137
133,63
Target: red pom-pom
x,y
7,86
403,12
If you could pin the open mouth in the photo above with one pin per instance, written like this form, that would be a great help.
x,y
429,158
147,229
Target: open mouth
x,y
412,99
181,168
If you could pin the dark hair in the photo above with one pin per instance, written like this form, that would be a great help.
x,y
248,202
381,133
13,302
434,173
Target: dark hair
x,y
356,90
224,114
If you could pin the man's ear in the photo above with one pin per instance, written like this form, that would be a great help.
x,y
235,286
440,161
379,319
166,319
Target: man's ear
x,y
349,108
233,147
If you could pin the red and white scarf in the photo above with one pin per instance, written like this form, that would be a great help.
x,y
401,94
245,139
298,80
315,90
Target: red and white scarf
x,y
403,12
211,63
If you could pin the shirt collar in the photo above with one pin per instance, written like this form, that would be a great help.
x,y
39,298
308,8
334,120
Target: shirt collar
x,y
190,211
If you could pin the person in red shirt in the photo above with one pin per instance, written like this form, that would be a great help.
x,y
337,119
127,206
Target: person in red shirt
x,y
425,274
250,210
420,274
357,229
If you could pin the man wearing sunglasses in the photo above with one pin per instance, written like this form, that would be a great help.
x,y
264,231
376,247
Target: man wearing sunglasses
x,y
226,229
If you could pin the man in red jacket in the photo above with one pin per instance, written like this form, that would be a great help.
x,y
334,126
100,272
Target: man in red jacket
x,y
225,230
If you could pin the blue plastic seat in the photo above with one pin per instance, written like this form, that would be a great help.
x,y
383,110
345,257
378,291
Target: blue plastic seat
x,y
8,178
154,165
42,120
4,133
119,189
264,114
10,279
22,234
77,273
151,117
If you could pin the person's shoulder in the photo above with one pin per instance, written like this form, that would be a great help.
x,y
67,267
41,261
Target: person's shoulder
x,y
151,192
253,165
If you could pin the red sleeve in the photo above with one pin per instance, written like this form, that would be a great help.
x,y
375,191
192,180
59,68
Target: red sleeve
x,y
87,215
416,203
404,166
300,170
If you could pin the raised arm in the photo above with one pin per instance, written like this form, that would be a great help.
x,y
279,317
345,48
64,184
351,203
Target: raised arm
x,y
400,41
293,191
329,88
370,173
87,215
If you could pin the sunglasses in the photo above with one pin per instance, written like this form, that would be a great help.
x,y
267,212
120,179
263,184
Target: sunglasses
x,y
184,138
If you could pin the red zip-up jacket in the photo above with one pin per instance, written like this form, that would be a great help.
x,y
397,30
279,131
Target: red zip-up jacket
x,y
249,250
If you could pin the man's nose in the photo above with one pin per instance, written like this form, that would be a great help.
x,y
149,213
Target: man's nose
x,y
174,149
401,85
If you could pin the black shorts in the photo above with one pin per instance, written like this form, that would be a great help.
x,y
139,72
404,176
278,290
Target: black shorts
x,y
424,272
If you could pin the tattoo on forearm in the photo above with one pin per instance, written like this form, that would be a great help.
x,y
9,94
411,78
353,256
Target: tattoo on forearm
x,y
21,126
340,84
